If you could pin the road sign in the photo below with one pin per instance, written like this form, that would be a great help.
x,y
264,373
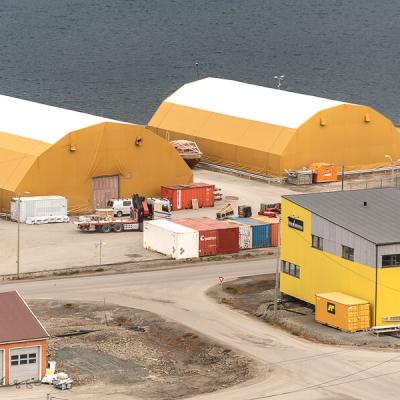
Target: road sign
x,y
221,279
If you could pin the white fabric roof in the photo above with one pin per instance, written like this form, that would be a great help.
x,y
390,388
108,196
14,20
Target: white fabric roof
x,y
41,122
257,103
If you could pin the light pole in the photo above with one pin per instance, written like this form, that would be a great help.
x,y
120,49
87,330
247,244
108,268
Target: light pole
x,y
277,269
18,228
197,70
279,78
100,245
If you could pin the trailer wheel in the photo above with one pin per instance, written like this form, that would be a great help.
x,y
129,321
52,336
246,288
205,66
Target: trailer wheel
x,y
106,228
119,214
118,228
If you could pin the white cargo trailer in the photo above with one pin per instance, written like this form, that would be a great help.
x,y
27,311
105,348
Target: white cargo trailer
x,y
40,209
171,239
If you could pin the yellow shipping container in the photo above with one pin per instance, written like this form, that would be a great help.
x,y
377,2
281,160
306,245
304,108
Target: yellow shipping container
x,y
342,311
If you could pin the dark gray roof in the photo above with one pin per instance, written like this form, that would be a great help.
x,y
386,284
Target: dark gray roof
x,y
378,221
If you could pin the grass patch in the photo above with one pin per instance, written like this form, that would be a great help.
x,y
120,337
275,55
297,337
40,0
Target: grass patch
x,y
66,273
231,290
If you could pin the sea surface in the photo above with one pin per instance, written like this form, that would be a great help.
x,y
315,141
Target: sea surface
x,y
121,58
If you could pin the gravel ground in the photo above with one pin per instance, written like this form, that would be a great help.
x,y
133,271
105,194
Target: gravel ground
x,y
137,352
254,295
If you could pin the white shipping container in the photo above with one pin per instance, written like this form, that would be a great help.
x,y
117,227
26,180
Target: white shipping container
x,y
171,239
245,235
39,206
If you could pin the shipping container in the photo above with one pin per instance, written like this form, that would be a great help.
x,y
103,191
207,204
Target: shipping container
x,y
181,196
38,206
342,311
323,172
245,234
207,235
274,227
171,239
227,235
260,232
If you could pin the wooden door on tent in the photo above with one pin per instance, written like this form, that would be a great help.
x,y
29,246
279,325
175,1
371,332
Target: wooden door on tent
x,y
104,188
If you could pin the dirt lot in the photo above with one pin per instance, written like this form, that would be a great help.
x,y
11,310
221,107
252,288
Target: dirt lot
x,y
254,295
134,352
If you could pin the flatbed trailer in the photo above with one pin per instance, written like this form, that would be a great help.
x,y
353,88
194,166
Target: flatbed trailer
x,y
107,225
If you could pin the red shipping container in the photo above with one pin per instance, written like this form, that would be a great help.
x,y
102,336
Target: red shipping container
x,y
181,196
275,234
228,235
207,235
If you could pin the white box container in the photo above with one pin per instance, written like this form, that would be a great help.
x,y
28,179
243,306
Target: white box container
x,y
171,239
39,206
245,235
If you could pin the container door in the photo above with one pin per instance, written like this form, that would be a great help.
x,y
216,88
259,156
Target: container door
x,y
2,367
104,189
207,243
178,199
24,365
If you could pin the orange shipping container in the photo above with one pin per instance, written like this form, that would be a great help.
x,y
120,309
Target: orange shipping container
x,y
181,196
342,311
323,172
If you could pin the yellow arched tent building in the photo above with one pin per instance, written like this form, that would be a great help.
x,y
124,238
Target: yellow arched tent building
x,y
46,150
268,131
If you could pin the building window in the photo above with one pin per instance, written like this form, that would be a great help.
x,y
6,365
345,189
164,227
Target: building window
x,y
290,269
296,223
348,253
317,242
23,359
391,260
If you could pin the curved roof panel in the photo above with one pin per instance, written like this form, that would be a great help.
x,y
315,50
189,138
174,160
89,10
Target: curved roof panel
x,y
42,122
251,102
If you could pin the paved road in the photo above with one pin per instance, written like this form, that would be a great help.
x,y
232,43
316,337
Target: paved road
x,y
292,368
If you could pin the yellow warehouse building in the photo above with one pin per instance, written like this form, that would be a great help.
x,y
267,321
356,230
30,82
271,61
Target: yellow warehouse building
x,y
346,242
268,131
46,150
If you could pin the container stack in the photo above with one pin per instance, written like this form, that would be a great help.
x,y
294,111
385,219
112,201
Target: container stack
x,y
260,232
215,237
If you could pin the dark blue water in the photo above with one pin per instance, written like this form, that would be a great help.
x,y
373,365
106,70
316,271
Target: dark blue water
x,y
120,58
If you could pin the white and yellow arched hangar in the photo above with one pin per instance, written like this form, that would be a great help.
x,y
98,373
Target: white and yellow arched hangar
x,y
268,131
46,150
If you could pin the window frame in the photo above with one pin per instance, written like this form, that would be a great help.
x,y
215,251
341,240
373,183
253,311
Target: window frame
x,y
290,269
346,254
296,223
319,242
392,264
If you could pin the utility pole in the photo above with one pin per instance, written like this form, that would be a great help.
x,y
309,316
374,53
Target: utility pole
x,y
342,178
276,293
100,245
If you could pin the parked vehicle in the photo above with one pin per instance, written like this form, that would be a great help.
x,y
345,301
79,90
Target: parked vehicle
x,y
120,206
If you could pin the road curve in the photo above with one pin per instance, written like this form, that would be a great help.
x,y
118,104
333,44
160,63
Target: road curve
x,y
291,368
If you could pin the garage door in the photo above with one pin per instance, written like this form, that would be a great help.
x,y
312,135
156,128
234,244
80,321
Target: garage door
x,y
25,364
1,367
104,189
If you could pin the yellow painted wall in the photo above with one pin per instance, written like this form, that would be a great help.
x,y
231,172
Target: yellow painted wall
x,y
102,150
323,272
320,271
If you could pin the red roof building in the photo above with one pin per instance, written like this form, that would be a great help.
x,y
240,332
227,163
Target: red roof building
x,y
22,341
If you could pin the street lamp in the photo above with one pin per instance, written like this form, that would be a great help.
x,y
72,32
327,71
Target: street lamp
x,y
18,229
100,245
197,70
279,78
